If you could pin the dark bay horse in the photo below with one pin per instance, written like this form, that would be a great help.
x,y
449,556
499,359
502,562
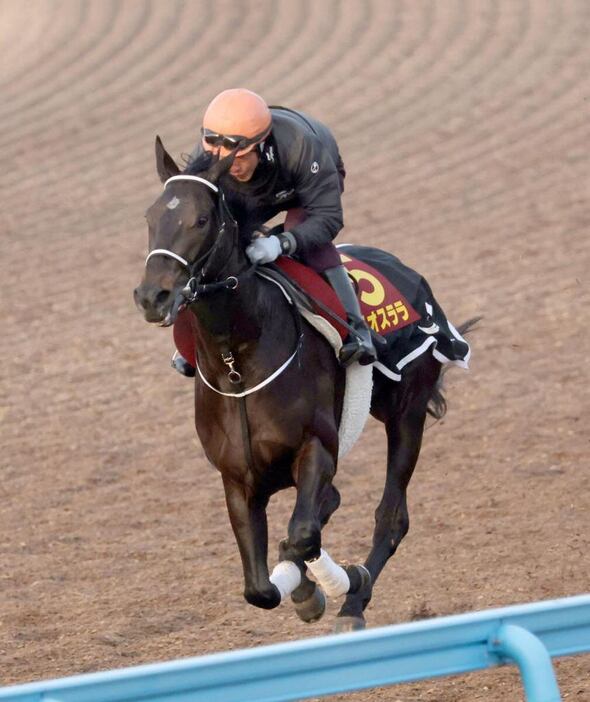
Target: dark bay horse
x,y
284,434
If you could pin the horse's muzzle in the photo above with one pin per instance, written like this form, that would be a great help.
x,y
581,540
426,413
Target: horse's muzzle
x,y
156,304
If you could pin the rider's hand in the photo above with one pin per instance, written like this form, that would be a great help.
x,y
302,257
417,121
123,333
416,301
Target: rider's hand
x,y
264,249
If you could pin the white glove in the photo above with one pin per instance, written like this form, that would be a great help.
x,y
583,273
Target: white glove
x,y
264,249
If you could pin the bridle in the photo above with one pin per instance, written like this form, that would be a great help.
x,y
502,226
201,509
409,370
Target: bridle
x,y
167,252
193,289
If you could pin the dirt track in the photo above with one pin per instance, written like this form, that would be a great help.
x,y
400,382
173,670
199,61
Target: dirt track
x,y
465,128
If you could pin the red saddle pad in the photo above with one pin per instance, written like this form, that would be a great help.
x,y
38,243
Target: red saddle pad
x,y
385,309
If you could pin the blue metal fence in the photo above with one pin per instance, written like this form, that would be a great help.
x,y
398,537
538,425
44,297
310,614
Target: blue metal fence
x,y
528,635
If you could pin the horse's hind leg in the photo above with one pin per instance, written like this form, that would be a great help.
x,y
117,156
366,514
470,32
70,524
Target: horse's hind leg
x,y
404,422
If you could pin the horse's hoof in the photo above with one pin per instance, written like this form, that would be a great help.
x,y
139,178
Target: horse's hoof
x,y
313,608
360,579
346,624
268,598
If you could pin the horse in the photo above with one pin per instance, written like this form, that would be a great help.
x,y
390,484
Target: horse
x,y
263,430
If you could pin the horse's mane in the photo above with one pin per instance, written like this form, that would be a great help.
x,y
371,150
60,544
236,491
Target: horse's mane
x,y
200,163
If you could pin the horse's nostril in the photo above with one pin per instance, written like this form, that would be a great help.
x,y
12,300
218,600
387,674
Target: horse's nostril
x,y
162,297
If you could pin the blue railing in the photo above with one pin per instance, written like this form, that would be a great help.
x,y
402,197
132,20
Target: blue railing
x,y
528,635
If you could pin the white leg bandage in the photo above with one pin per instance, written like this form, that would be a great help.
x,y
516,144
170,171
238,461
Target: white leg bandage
x,y
331,576
286,576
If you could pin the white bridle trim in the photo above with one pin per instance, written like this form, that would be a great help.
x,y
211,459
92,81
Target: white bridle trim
x,y
256,387
204,181
170,254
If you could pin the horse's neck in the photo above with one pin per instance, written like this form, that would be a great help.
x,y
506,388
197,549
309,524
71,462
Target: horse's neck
x,y
248,323
226,318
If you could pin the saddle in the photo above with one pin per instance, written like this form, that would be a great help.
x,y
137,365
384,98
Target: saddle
x,y
383,306
396,301
385,309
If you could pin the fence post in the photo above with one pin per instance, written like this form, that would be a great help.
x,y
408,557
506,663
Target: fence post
x,y
527,651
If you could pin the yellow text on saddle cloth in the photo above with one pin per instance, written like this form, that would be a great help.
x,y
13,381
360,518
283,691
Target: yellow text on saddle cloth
x,y
383,306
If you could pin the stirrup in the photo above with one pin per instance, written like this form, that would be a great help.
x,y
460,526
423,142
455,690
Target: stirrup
x,y
379,342
353,351
181,365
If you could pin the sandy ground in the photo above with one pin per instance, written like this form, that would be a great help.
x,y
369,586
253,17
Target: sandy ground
x,y
465,128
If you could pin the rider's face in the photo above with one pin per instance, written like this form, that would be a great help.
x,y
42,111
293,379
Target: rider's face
x,y
244,164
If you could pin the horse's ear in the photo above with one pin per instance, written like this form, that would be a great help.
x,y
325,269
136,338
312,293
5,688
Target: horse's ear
x,y
164,162
221,167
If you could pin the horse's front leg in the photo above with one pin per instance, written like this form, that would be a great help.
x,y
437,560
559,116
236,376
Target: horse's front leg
x,y
247,515
308,597
313,470
317,499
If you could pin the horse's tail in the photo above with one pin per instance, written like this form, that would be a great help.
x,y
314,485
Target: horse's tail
x,y
437,405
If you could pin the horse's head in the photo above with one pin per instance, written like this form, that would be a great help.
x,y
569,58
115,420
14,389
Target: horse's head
x,y
188,228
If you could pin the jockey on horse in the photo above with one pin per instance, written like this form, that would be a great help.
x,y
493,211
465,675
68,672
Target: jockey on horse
x,y
285,160
265,438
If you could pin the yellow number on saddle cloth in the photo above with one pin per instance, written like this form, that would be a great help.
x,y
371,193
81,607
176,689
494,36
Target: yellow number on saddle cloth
x,y
383,306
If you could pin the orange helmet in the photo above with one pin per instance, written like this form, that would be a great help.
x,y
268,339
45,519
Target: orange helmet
x,y
236,116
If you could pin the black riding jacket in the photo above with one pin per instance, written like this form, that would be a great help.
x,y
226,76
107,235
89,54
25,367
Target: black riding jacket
x,y
300,166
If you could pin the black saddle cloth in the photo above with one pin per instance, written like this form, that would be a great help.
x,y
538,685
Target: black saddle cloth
x,y
432,332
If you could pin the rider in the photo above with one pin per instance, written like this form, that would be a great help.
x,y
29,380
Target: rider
x,y
290,162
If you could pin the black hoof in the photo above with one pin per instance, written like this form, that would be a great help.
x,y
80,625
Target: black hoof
x,y
344,625
360,579
265,599
312,609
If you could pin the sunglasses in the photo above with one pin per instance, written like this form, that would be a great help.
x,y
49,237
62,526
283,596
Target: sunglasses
x,y
230,142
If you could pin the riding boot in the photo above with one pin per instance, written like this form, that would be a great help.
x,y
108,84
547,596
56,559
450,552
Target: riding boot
x,y
182,365
360,346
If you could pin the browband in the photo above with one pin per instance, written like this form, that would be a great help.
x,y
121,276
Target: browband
x,y
204,181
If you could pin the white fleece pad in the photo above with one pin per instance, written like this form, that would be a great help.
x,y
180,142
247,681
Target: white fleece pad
x,y
359,387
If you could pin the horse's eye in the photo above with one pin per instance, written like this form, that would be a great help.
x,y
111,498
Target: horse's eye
x,y
202,221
